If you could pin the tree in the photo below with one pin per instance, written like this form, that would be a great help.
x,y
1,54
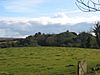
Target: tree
x,y
96,30
52,41
88,43
37,34
65,38
88,5
84,39
30,41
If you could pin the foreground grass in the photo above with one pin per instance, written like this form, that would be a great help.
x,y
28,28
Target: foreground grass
x,y
46,60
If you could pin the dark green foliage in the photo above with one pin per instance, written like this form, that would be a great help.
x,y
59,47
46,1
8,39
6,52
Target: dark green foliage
x,y
52,41
88,43
28,41
69,39
96,30
85,40
41,39
65,39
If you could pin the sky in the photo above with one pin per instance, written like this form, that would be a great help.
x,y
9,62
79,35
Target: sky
x,y
34,8
20,18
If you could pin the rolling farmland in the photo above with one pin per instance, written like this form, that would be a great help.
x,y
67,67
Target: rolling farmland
x,y
45,60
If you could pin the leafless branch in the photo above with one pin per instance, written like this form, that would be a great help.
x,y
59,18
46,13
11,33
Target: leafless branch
x,y
88,5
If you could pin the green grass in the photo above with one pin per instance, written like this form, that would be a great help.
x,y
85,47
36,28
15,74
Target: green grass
x,y
45,60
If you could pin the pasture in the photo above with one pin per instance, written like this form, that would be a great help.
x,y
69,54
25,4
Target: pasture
x,y
45,60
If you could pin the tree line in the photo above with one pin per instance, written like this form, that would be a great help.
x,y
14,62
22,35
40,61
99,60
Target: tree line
x,y
64,39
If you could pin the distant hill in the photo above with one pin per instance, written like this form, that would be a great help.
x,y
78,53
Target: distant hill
x,y
4,38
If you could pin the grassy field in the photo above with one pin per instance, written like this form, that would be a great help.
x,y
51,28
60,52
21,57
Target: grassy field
x,y
45,60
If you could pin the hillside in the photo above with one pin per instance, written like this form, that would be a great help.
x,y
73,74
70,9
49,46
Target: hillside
x,y
45,60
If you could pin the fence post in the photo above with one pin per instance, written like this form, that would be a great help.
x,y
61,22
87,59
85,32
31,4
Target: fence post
x,y
82,67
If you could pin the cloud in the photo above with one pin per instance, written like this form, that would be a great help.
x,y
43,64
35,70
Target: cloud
x,y
20,5
58,18
23,26
63,19
20,29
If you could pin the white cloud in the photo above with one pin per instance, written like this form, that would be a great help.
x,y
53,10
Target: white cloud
x,y
23,26
63,19
59,18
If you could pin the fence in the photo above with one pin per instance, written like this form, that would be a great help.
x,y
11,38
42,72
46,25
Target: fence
x,y
82,67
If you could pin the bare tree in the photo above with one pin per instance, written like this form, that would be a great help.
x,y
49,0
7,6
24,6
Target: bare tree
x,y
88,5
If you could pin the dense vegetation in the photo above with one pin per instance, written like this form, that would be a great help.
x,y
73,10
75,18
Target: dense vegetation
x,y
64,39
45,60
